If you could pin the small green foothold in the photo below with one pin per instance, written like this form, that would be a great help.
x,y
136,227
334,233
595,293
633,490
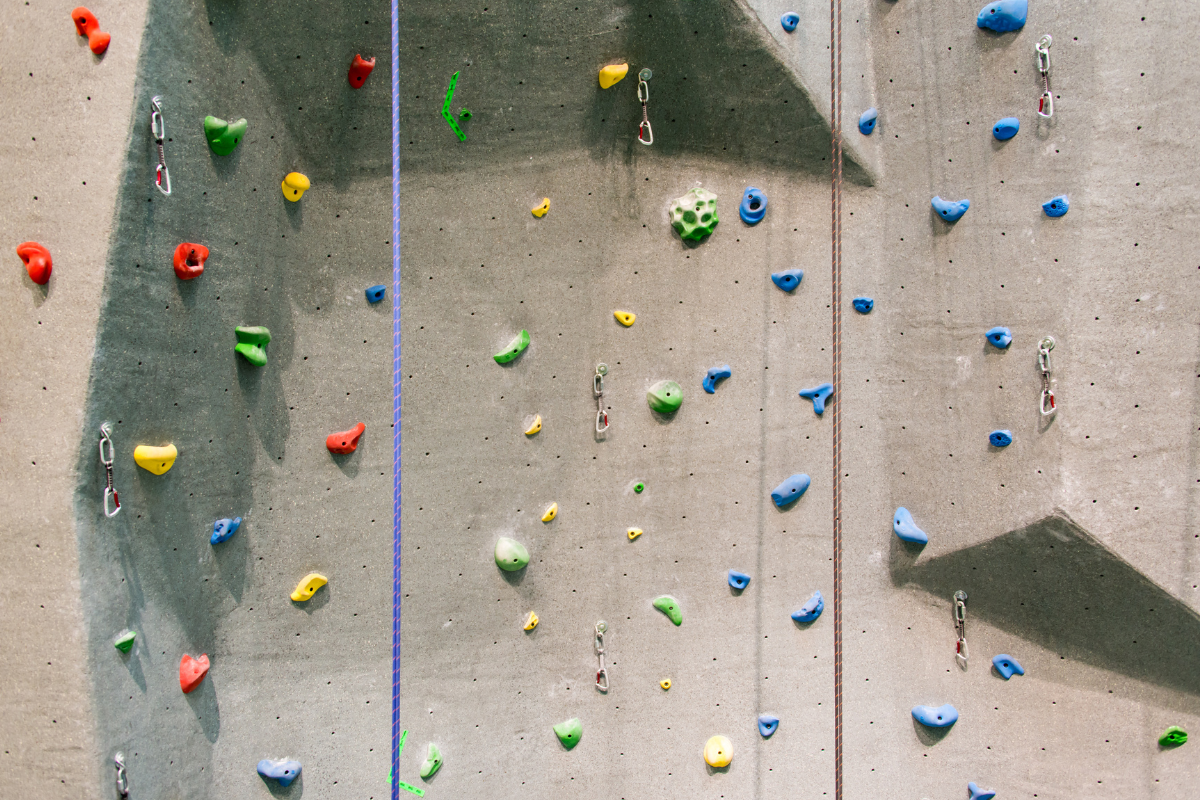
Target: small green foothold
x,y
464,113
669,606
124,643
511,555
638,487
1173,737
223,136
569,732
694,215
665,397
432,763
514,349
252,343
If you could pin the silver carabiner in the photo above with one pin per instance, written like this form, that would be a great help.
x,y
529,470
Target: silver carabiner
x,y
602,671
1048,406
122,781
110,509
645,132
159,130
598,391
960,627
1046,101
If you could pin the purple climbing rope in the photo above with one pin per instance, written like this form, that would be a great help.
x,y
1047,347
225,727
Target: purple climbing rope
x,y
835,125
394,772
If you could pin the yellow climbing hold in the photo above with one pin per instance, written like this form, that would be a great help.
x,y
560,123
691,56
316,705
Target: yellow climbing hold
x,y
718,751
540,211
308,586
551,512
531,621
534,426
612,74
155,459
626,318
633,533
294,186
665,683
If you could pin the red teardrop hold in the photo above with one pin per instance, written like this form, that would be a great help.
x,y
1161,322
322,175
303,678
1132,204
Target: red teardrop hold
x,y
192,671
98,42
37,261
360,68
345,441
87,25
189,260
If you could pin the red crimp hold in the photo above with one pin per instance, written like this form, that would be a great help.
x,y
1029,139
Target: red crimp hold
x,y
87,25
189,260
192,671
344,442
37,261
360,68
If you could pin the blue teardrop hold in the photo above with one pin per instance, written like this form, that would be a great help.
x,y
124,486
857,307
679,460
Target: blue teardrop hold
x,y
789,21
767,725
940,717
282,770
1003,15
1057,206
810,610
979,794
738,580
223,529
1006,128
754,205
791,490
818,394
713,375
375,293
789,279
866,123
1000,438
863,305
950,210
1007,666
1000,337
906,529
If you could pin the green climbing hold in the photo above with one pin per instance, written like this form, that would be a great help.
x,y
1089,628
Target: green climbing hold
x,y
669,606
694,215
511,555
124,643
252,343
223,136
432,762
1173,737
464,114
514,349
569,732
665,397
639,487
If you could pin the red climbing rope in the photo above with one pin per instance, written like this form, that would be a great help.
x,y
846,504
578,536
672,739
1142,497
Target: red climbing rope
x,y
835,125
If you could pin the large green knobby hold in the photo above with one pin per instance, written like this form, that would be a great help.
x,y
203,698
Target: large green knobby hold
x,y
694,215
432,762
1173,737
252,343
569,732
511,555
665,397
124,643
669,606
514,349
223,136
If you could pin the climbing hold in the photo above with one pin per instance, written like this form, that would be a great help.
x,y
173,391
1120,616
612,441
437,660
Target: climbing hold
x,y
712,376
569,732
224,528
718,751
940,717
510,554
223,136
1000,337
905,528
612,74
790,490
767,725
533,426
669,606
376,293
344,442
514,349
665,683
252,343
951,211
979,794
1057,206
1000,438
738,580
754,205
155,459
694,215
1006,128
360,68
308,586
531,621
866,123
192,671
626,318
639,487
863,305
432,762
87,25
464,113
1007,666
124,642
541,209
818,395
551,512
294,186
37,261
810,610
1003,15
633,533
1173,737
789,21
665,397
280,769
788,279
189,260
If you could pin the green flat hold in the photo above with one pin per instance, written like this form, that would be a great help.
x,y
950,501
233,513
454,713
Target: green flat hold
x,y
665,397
1173,737
124,643
252,343
514,349
432,762
694,215
511,555
223,136
669,606
569,732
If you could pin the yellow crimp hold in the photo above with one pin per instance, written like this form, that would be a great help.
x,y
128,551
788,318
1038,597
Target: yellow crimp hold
x,y
626,318
633,533
551,512
665,683
531,621
294,186
535,427
540,211
155,459
308,586
612,74
718,751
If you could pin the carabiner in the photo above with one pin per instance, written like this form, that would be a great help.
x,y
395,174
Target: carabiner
x,y
602,671
598,391
1046,101
960,627
1043,53
122,781
159,131
1048,406
645,132
110,509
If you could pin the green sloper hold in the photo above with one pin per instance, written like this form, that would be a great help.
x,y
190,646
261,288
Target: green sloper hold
x,y
511,555
569,732
669,606
223,136
665,397
694,215
432,762
514,349
1173,737
252,343
124,643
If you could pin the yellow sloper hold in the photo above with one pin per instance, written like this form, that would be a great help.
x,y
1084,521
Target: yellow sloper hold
x,y
718,751
633,533
665,683
531,621
612,74
155,459
626,318
294,186
540,211
535,426
308,586
551,512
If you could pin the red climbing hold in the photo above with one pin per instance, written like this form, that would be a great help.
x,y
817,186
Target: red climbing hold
x,y
189,260
37,261
192,671
345,441
360,68
87,25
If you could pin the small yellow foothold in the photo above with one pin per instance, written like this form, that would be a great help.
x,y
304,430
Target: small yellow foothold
x,y
308,586
531,621
612,74
665,683
633,533
535,426
551,512
294,186
718,751
540,211
155,459
626,318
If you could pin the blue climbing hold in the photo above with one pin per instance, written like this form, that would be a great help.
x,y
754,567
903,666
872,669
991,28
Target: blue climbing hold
x,y
1000,438
863,305
223,529
375,293
951,211
790,490
1006,128
1057,206
810,610
789,279
1007,666
979,794
818,394
905,528
738,580
1000,337
754,205
866,123
789,21
767,725
281,769
940,717
1003,15
713,375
